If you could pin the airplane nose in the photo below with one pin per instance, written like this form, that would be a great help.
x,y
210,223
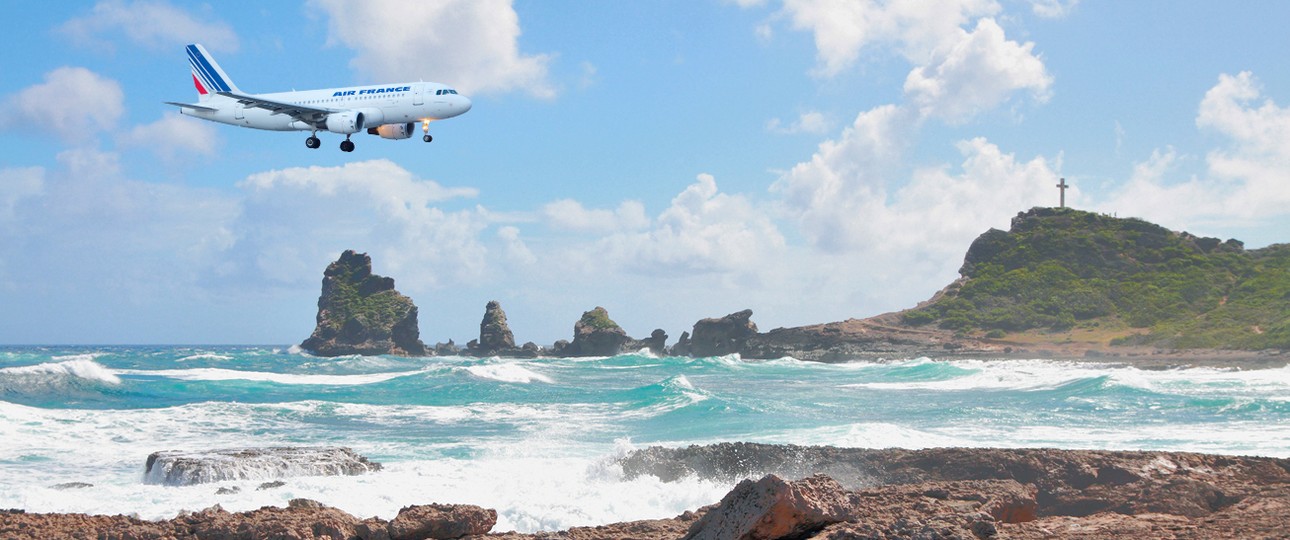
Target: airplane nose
x,y
465,104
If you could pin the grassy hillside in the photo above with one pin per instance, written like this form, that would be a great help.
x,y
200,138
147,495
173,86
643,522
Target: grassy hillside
x,y
1062,269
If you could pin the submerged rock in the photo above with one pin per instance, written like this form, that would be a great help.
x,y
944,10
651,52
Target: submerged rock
x,y
176,468
361,313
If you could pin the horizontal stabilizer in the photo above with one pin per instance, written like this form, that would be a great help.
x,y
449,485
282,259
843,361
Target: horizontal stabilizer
x,y
191,106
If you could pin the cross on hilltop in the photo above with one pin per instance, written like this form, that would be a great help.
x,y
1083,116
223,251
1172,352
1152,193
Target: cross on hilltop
x,y
1062,186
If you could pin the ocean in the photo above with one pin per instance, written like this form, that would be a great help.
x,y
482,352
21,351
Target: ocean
x,y
538,439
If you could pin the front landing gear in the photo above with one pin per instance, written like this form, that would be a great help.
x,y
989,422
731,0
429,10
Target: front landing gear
x,y
312,142
427,138
346,145
425,128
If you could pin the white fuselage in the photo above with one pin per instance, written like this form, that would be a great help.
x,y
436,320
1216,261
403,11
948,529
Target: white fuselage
x,y
380,105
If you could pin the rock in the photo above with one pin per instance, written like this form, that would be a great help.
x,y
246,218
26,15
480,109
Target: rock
x,y
176,468
372,529
682,347
595,334
228,490
441,521
446,349
301,520
773,508
726,335
72,485
271,485
656,343
362,313
494,334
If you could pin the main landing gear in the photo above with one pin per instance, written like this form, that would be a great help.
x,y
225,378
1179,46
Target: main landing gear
x,y
346,145
425,128
312,142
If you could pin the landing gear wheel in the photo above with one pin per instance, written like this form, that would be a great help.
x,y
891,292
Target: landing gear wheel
x,y
312,142
427,138
346,145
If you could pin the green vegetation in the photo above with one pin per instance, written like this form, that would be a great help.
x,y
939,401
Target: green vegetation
x,y
597,319
1059,268
370,300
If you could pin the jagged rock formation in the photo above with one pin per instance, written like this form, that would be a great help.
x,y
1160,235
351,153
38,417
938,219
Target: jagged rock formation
x,y
361,313
176,468
494,334
595,334
656,343
721,336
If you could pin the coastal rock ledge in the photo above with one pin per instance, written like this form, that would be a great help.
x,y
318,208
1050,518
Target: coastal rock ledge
x,y
360,313
177,468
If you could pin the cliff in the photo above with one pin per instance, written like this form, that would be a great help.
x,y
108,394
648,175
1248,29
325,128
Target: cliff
x,y
361,313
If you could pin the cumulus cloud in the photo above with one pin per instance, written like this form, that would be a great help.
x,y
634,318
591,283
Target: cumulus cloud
x,y
1244,181
976,74
295,219
71,103
914,28
150,23
172,136
1053,9
812,122
18,183
570,215
471,44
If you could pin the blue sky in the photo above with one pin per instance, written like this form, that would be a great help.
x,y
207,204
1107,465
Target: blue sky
x,y
813,160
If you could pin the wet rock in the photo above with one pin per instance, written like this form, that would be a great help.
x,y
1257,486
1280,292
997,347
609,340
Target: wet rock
x,y
228,490
178,468
72,485
441,521
271,485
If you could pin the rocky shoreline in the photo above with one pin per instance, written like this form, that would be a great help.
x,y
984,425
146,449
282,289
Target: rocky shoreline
x,y
362,313
787,491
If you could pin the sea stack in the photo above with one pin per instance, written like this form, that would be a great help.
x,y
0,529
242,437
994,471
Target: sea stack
x,y
494,334
595,334
361,313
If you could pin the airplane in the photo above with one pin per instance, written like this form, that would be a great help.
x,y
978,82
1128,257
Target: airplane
x,y
389,110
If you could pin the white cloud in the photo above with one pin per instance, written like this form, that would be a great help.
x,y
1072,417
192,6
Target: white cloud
x,y
296,219
812,122
154,24
830,195
915,28
570,215
514,248
173,135
470,44
17,183
703,230
1244,181
1053,9
977,73
72,103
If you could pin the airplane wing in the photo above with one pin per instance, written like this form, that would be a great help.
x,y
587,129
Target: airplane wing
x,y
192,106
309,115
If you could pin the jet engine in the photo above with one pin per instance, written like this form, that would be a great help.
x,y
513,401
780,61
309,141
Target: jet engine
x,y
345,122
394,131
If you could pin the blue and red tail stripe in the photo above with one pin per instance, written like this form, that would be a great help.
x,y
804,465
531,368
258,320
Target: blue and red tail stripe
x,y
206,74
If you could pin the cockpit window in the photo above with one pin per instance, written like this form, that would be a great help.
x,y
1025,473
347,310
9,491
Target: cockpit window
x,y
444,92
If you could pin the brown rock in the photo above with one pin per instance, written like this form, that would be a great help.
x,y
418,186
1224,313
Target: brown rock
x,y
494,334
441,521
361,313
301,520
595,334
721,336
773,508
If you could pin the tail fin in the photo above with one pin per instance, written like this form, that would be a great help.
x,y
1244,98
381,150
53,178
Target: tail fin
x,y
208,77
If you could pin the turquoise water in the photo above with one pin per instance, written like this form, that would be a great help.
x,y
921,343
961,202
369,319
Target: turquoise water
x,y
536,439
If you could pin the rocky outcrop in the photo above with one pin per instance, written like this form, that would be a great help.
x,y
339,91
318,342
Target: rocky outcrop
x,y
774,508
1066,482
494,334
595,334
721,336
302,519
177,468
441,521
361,313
